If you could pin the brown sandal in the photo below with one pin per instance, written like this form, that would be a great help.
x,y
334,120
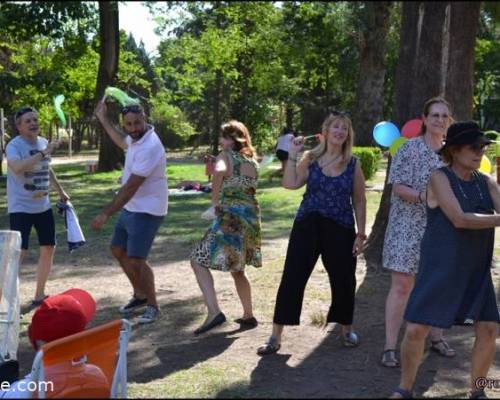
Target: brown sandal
x,y
389,359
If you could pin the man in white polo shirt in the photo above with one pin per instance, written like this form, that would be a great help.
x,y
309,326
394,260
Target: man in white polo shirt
x,y
144,199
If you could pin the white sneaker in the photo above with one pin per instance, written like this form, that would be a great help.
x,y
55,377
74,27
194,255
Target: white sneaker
x,y
151,314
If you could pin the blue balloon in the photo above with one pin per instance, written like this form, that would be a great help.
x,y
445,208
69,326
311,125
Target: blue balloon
x,y
385,133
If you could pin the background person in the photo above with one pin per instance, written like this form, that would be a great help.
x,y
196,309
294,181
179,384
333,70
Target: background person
x,y
143,201
324,225
409,175
283,146
454,284
29,176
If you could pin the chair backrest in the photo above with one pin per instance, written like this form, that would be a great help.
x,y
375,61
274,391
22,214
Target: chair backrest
x,y
10,253
88,364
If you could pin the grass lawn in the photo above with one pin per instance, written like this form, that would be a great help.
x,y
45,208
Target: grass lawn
x,y
90,192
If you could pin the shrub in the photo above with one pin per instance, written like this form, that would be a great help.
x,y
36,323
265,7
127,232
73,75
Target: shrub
x,y
171,124
370,159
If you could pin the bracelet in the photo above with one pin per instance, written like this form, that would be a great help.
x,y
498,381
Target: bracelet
x,y
41,152
361,236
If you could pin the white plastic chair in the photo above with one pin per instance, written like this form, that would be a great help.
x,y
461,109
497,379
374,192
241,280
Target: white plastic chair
x,y
10,254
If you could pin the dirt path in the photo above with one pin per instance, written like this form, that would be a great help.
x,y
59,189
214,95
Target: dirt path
x,y
312,363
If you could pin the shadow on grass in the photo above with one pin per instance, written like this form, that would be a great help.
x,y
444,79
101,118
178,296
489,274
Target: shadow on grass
x,y
176,346
332,370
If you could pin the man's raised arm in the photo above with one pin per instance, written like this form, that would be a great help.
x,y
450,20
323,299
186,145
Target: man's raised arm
x,y
113,133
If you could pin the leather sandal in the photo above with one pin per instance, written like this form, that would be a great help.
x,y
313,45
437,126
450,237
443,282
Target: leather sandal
x,y
442,348
389,359
350,339
405,394
270,347
478,394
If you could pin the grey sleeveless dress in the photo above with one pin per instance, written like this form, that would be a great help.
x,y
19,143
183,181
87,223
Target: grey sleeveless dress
x,y
454,284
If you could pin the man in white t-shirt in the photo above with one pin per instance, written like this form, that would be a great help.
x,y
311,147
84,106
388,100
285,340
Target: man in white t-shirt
x,y
144,199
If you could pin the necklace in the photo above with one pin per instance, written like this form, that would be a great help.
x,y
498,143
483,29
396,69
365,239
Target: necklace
x,y
428,142
330,162
462,189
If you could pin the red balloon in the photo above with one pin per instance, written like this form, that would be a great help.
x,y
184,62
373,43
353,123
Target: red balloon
x,y
412,128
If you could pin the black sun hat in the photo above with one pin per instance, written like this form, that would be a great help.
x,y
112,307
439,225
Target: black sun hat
x,y
464,132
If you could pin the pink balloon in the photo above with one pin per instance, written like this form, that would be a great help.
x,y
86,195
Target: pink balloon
x,y
411,128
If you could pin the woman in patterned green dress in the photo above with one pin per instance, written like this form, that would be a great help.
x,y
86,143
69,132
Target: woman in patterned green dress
x,y
233,239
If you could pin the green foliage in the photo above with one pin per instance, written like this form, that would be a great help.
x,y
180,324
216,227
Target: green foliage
x,y
170,122
131,69
253,60
53,19
487,68
44,52
370,160
267,64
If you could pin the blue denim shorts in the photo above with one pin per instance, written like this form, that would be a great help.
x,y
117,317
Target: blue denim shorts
x,y
135,232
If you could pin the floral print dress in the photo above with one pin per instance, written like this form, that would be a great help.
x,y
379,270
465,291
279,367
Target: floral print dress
x,y
234,238
412,166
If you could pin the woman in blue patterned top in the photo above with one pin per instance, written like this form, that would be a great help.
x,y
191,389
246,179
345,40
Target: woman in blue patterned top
x,y
324,225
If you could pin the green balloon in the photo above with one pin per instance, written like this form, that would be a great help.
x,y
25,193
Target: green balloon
x,y
396,144
57,106
123,98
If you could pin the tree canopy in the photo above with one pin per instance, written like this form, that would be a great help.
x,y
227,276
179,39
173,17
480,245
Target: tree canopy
x,y
267,64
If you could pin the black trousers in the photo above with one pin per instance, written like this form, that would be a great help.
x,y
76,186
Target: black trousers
x,y
312,236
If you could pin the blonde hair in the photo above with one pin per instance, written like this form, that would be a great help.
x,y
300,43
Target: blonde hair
x,y
238,132
321,148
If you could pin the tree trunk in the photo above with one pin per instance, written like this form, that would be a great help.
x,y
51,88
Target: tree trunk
x,y
78,130
289,116
217,111
464,21
370,91
436,57
428,78
110,155
409,37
